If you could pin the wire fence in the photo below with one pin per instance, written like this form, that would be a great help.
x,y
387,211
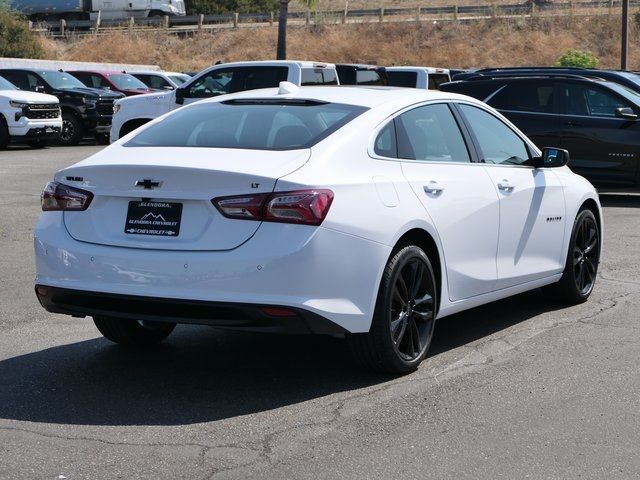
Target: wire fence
x,y
202,22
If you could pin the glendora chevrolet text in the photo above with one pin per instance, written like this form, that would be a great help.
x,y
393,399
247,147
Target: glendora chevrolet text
x,y
365,213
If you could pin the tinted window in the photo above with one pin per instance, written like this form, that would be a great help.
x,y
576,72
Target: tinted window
x,y
179,79
368,77
583,99
252,124
431,133
525,97
402,79
222,81
319,76
437,79
19,79
499,144
153,81
385,144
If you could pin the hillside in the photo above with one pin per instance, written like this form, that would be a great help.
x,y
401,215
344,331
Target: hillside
x,y
538,41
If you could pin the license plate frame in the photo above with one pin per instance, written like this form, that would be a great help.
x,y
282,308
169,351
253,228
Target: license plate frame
x,y
159,219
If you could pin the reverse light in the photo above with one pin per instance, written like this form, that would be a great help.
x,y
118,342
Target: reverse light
x,y
307,207
59,197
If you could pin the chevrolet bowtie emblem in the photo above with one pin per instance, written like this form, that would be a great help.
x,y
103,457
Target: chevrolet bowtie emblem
x,y
147,184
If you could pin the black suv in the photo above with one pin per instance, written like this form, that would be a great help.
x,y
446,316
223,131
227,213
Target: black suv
x,y
84,110
628,79
596,120
358,74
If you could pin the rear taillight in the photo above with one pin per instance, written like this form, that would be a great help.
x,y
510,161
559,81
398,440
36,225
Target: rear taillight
x,y
57,196
307,207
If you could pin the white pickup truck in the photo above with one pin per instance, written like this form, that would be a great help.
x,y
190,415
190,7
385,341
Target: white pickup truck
x,y
133,112
27,117
417,77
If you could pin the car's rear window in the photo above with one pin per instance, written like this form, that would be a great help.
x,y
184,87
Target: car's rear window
x,y
319,76
402,79
261,124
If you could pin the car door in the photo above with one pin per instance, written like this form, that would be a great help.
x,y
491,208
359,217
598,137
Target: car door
x,y
532,106
602,147
532,207
456,193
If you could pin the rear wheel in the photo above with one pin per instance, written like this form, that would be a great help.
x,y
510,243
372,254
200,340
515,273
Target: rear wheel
x,y
404,317
581,267
72,131
133,332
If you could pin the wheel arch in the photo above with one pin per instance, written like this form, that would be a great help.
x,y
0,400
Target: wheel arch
x,y
423,239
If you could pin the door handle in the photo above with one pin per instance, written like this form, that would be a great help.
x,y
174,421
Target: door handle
x,y
433,188
505,186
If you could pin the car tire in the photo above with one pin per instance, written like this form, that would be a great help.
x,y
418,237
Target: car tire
x,y
72,131
404,317
581,266
133,332
37,143
4,134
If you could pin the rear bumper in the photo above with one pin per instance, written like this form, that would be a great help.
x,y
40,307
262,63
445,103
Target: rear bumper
x,y
80,303
309,269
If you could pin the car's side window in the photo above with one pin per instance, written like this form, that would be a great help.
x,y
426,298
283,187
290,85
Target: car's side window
x,y
431,133
498,143
33,82
582,99
521,96
385,144
212,84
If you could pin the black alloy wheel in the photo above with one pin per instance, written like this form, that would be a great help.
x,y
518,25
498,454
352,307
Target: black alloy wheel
x,y
71,133
586,252
404,318
411,310
135,333
581,267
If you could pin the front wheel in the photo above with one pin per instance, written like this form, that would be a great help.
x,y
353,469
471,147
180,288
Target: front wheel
x,y
581,267
404,317
133,332
72,130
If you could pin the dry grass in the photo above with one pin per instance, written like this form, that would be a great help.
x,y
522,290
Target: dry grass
x,y
487,43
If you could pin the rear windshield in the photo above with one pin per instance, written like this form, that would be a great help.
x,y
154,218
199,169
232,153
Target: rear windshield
x,y
319,76
262,124
402,79
437,79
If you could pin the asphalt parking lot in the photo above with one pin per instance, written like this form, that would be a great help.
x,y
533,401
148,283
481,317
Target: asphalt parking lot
x,y
520,388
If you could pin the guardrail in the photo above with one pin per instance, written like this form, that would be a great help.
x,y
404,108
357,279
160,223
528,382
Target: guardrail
x,y
195,23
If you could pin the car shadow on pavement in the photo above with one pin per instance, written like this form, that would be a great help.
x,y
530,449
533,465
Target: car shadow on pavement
x,y
201,374
619,200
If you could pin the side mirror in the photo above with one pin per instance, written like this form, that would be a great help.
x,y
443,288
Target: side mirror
x,y
39,88
551,157
626,112
179,96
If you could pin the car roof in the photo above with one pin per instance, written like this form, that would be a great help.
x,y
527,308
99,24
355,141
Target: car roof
x,y
359,95
300,63
413,67
106,73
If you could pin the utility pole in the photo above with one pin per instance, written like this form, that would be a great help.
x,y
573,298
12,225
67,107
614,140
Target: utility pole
x,y
625,34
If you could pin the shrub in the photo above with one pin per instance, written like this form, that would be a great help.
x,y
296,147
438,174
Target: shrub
x,y
230,6
16,40
577,58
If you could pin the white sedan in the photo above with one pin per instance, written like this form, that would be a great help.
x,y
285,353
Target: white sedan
x,y
358,212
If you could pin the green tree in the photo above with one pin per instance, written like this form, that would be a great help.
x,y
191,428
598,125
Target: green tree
x,y
16,40
577,58
281,50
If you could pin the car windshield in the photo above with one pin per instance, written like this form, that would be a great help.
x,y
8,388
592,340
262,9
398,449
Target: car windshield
x,y
61,80
6,84
179,79
256,124
125,81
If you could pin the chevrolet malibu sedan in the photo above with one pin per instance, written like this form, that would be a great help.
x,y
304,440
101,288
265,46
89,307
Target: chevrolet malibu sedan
x,y
364,213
